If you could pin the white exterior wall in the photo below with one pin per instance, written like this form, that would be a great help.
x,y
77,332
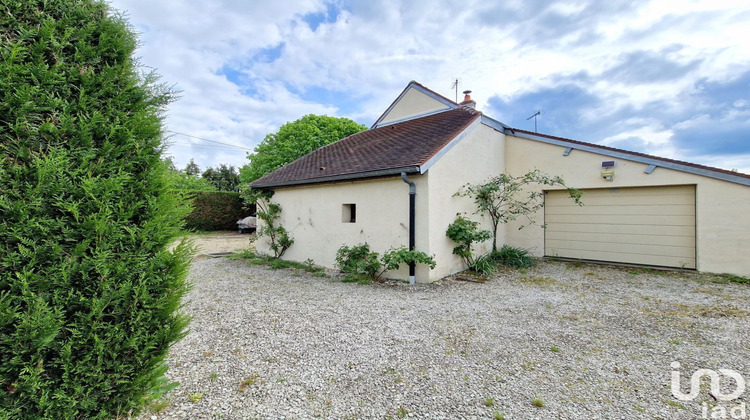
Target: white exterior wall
x,y
313,216
722,208
474,159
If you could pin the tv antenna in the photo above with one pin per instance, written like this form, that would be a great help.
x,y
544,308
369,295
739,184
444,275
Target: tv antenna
x,y
536,114
455,86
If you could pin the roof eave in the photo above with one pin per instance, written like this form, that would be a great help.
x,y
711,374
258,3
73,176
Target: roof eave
x,y
635,158
337,178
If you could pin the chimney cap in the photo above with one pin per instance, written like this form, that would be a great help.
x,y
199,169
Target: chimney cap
x,y
468,102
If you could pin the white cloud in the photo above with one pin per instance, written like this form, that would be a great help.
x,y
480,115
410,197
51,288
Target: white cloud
x,y
366,54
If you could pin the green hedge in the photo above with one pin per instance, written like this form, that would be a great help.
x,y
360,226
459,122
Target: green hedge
x,y
90,295
215,210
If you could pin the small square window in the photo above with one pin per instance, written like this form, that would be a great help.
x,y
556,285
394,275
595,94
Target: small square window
x,y
349,213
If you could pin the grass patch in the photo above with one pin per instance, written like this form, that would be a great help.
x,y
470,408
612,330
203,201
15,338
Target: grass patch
x,y
537,402
729,278
248,382
675,404
555,349
706,311
195,397
489,402
498,415
157,406
252,258
538,281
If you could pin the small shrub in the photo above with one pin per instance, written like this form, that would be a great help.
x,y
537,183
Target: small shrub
x,y
269,213
513,257
537,402
498,415
393,258
466,232
358,260
484,265
488,402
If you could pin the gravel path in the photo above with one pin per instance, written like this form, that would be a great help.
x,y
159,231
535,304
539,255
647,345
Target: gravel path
x,y
587,341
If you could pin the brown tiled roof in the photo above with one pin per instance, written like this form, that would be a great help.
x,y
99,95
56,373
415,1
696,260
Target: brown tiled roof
x,y
643,155
380,151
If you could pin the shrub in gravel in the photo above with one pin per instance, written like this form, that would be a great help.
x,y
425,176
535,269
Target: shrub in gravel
x,y
363,265
358,261
513,257
89,293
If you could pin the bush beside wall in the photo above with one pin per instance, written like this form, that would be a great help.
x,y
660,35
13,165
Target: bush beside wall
x,y
215,210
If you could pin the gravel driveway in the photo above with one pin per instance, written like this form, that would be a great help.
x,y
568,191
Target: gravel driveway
x,y
585,341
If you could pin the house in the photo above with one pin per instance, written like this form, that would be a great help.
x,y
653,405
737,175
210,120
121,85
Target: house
x,y
638,209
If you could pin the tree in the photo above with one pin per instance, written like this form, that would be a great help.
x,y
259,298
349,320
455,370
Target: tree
x,y
224,178
89,292
294,140
192,168
504,197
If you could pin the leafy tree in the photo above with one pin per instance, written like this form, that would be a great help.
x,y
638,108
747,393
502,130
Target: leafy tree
x,y
181,181
504,197
89,292
223,177
192,168
294,140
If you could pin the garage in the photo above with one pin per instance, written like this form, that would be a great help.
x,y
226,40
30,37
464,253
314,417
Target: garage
x,y
640,225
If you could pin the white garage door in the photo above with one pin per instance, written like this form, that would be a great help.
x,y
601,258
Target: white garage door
x,y
644,225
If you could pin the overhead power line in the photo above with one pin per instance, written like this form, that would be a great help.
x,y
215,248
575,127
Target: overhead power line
x,y
210,141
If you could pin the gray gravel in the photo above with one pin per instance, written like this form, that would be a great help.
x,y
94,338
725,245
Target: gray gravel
x,y
589,341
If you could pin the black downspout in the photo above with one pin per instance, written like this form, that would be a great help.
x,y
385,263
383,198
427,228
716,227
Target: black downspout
x,y
412,217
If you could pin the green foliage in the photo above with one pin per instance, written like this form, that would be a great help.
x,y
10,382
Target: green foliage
x,y
294,140
504,198
215,210
358,260
192,169
465,233
89,293
484,265
223,177
513,257
361,263
269,213
181,181
393,258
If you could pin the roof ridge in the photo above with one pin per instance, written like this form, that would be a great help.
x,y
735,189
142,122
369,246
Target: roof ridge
x,y
640,154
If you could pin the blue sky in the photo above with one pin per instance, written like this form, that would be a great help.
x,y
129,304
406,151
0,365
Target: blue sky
x,y
670,78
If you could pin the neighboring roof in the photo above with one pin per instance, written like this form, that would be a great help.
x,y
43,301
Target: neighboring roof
x,y
387,150
416,86
723,174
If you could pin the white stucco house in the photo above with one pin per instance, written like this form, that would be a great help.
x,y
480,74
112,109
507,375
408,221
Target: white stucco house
x,y
638,209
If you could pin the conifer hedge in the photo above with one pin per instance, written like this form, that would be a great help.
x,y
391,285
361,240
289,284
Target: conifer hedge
x,y
89,294
216,210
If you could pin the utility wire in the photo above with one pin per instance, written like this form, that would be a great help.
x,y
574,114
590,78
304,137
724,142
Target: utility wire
x,y
211,141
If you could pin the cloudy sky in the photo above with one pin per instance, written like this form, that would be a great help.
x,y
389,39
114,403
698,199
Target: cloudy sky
x,y
670,78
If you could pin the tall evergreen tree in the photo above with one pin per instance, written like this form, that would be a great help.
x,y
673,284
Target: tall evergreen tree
x,y
89,293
